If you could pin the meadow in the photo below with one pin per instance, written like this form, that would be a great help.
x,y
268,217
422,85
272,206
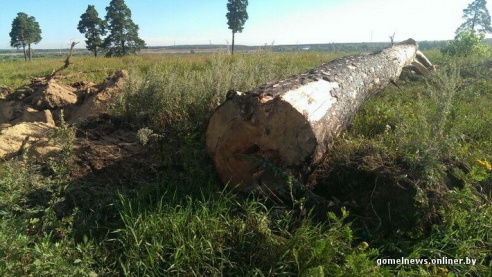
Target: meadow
x,y
425,148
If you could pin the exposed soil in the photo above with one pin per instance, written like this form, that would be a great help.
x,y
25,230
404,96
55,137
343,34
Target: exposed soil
x,y
106,154
379,193
80,100
103,153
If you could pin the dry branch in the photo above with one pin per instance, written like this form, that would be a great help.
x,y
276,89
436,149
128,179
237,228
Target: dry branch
x,y
66,64
291,123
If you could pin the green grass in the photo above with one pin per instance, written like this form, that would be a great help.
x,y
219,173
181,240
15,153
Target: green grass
x,y
217,235
426,150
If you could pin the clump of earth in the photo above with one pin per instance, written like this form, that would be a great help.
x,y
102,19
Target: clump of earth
x,y
30,115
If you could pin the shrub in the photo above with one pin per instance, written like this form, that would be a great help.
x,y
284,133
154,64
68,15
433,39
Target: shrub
x,y
467,43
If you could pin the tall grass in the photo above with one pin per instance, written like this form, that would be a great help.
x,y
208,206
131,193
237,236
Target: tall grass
x,y
432,122
432,139
216,235
182,91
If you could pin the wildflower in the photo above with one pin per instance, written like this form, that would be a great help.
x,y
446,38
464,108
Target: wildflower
x,y
485,164
363,245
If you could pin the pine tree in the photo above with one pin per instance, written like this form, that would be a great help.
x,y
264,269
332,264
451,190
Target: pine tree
x,y
123,36
93,27
25,31
236,17
477,18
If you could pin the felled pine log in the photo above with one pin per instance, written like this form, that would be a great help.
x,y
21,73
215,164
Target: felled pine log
x,y
289,125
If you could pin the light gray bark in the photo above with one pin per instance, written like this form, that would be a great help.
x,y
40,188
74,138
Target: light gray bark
x,y
291,123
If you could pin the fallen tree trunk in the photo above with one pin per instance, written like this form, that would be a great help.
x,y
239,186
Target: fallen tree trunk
x,y
290,124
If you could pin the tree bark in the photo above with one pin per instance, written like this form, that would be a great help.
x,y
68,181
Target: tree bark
x,y
25,53
232,46
95,47
289,125
29,51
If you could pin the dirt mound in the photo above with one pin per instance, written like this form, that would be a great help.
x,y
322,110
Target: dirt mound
x,y
80,100
43,93
32,136
29,113
103,154
13,112
97,102
52,96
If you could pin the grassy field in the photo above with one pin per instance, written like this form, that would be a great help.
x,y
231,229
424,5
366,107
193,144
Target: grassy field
x,y
425,149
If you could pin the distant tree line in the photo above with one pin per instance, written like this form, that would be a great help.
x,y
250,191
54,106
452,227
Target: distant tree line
x,y
350,46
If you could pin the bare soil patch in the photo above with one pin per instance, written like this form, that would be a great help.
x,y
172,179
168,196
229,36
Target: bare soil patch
x,y
103,153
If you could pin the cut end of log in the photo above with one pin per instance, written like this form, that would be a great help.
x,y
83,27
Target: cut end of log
x,y
249,132
289,125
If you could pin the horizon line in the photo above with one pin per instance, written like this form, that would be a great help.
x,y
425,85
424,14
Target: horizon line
x,y
236,45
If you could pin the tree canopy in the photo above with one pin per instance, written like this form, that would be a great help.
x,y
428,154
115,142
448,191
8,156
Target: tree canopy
x,y
25,31
470,34
123,36
477,18
466,44
236,17
93,27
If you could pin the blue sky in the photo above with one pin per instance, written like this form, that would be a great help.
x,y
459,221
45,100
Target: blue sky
x,y
168,22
